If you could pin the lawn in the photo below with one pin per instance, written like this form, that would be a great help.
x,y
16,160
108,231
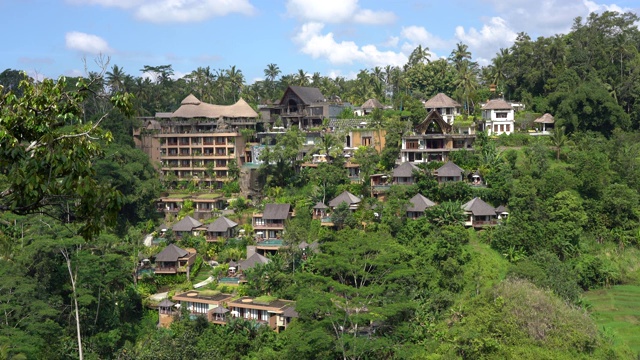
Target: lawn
x,y
618,310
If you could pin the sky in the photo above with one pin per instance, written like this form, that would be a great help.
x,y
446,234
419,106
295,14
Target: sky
x,y
333,37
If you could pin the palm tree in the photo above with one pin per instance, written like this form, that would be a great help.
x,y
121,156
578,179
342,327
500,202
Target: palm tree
x,y
302,78
236,80
271,72
115,79
467,83
419,55
460,55
558,139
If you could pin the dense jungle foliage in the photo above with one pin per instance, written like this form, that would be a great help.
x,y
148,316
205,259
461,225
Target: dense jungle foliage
x,y
77,199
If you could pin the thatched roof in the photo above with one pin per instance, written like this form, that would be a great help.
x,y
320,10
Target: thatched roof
x,y
405,169
441,101
221,224
497,104
449,170
308,95
276,211
191,107
219,310
171,253
252,261
545,119
166,303
320,205
347,197
186,224
372,104
502,209
479,208
420,203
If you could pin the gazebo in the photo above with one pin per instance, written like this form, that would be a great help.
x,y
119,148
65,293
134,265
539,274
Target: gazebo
x,y
546,119
218,314
165,307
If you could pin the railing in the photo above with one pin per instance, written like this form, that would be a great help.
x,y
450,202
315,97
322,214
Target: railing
x,y
166,270
478,223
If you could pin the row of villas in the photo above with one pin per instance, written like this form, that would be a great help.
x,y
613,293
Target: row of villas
x,y
198,141
220,308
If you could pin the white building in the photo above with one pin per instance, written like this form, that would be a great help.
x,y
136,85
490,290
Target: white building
x,y
445,106
498,117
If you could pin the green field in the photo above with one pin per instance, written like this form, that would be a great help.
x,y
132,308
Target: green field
x,y
618,310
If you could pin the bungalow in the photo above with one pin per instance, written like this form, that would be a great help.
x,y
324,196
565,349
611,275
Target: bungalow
x,y
502,212
173,260
253,259
403,174
319,211
445,106
275,313
418,205
433,139
205,304
346,197
449,172
498,116
547,122
187,225
270,223
479,213
369,105
221,229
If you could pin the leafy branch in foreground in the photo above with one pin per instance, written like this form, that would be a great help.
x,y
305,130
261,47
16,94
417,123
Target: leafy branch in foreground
x,y
47,150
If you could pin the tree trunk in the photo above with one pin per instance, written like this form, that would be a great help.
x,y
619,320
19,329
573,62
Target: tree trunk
x,y
75,302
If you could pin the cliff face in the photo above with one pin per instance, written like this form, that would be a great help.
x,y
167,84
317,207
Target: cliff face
x,y
250,186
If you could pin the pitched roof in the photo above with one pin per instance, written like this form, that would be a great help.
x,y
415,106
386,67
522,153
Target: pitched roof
x,y
219,310
405,169
221,224
308,95
290,312
497,104
276,211
502,209
252,261
420,203
441,101
320,205
171,253
166,303
449,169
545,119
432,116
348,123
347,197
191,107
372,104
478,207
186,224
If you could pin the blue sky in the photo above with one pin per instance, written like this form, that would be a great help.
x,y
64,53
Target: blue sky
x,y
333,37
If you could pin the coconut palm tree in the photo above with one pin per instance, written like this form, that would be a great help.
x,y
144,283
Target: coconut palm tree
x,y
236,80
116,79
302,78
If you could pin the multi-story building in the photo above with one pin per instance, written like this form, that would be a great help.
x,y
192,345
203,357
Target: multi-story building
x,y
433,140
304,107
445,106
198,141
499,117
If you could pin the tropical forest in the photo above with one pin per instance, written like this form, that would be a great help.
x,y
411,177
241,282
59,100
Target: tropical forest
x,y
89,220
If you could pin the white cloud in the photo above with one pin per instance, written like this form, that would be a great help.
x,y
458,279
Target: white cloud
x,y
125,4
86,43
418,35
392,41
162,11
484,43
547,17
337,11
598,8
191,10
312,42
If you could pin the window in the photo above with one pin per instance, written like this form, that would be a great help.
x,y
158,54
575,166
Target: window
x,y
258,221
501,115
366,140
495,128
501,128
508,127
